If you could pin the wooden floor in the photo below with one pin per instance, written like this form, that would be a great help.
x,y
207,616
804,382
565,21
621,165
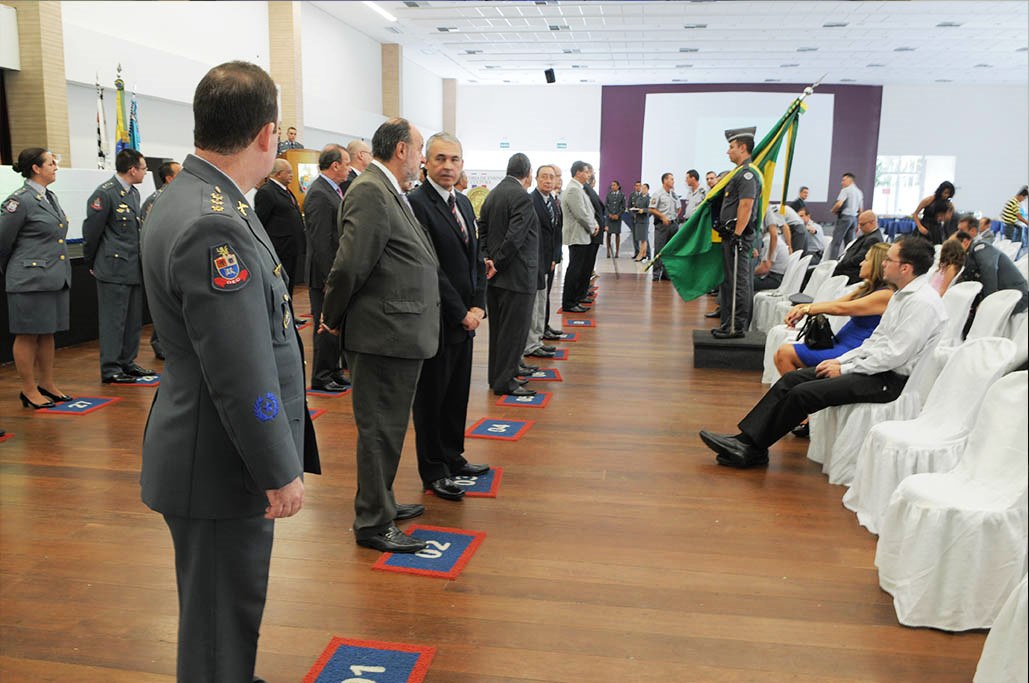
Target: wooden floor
x,y
616,551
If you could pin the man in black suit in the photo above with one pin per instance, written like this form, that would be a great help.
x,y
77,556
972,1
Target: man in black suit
x,y
441,401
321,208
552,333
868,234
383,291
280,215
546,214
509,234
598,239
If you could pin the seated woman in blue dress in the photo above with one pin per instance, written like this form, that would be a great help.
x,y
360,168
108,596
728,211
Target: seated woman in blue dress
x,y
864,304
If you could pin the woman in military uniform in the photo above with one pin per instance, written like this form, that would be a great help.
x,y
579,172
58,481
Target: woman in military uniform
x,y
34,260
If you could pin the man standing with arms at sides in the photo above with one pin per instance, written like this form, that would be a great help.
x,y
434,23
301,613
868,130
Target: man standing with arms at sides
x,y
557,255
280,215
111,251
360,156
664,205
382,296
321,211
509,234
546,216
614,207
695,194
739,221
229,434
580,226
847,207
167,172
291,141
441,400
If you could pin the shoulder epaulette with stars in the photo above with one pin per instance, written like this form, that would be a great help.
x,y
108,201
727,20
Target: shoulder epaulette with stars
x,y
109,184
214,200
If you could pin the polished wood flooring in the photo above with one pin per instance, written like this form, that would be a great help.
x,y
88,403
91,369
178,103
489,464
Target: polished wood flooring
x,y
616,551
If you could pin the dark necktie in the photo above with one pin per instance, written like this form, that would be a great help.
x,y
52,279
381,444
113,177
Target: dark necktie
x,y
292,199
339,191
550,209
53,201
452,203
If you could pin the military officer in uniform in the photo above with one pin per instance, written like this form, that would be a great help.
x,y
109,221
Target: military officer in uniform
x,y
167,173
37,274
111,251
229,434
987,264
738,220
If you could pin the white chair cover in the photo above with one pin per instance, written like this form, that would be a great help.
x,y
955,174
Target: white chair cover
x,y
832,288
1023,266
1005,654
952,545
763,317
838,432
1021,339
991,318
933,441
957,302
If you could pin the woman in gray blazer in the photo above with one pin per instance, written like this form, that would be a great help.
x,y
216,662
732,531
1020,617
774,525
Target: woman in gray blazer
x,y
34,260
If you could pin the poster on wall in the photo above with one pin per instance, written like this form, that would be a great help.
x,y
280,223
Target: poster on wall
x,y
306,173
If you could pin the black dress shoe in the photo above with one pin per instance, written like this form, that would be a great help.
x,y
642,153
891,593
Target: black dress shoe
x,y
25,402
470,469
54,397
446,489
527,369
554,330
719,333
332,387
118,378
548,348
575,309
134,370
586,301
802,431
516,391
408,511
551,336
734,453
520,382
540,353
392,540
713,314
341,379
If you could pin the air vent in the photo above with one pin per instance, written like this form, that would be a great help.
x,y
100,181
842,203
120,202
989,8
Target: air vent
x,y
904,49
571,51
984,66
580,66
679,80
788,66
834,24
447,29
848,80
943,80
807,49
1022,49
393,29
473,52
555,27
876,66
683,66
772,80
695,26
689,49
948,24
412,4
491,66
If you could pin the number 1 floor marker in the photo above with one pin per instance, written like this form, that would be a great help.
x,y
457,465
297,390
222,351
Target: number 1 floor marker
x,y
371,661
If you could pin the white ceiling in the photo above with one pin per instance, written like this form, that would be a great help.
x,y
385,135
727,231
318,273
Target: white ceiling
x,y
703,41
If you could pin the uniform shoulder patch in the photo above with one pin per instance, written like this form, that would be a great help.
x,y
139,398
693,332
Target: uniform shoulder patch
x,y
109,184
747,175
266,407
11,205
979,247
97,204
228,272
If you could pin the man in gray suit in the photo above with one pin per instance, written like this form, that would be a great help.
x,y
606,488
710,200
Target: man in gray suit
x,y
229,434
580,227
111,252
382,295
509,235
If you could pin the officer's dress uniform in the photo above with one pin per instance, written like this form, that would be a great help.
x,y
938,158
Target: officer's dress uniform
x,y
988,265
34,260
229,420
111,250
744,184
144,212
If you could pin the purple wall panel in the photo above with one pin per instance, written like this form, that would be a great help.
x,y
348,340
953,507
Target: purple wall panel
x,y
855,140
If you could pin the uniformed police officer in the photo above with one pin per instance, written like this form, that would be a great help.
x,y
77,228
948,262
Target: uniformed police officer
x,y
738,221
34,260
987,264
111,252
229,434
166,173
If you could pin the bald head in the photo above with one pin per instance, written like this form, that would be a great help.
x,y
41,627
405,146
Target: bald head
x,y
867,222
282,172
360,154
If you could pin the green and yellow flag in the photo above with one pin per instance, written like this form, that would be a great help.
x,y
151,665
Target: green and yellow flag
x,y
693,257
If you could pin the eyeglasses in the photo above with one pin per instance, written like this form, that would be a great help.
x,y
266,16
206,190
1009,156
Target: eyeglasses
x,y
897,261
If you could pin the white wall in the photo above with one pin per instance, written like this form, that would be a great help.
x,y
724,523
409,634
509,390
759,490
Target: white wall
x,y
531,119
421,100
342,76
984,127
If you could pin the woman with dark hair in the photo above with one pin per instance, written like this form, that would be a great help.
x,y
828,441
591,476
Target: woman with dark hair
x,y
865,305
34,260
928,214
952,260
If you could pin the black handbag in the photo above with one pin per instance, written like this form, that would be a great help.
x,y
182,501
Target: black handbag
x,y
816,333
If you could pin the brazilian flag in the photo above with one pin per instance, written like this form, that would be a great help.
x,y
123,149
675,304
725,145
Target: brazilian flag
x,y
693,257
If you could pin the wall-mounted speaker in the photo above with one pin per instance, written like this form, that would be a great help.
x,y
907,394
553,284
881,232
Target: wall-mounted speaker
x,y
549,73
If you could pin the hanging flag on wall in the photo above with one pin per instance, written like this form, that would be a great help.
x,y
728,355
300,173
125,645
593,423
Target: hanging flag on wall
x,y
121,131
134,139
101,127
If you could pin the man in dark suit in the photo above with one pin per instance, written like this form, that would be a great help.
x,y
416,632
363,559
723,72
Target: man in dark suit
x,y
229,435
557,255
111,251
546,214
868,234
509,234
280,215
441,401
598,239
383,291
360,156
321,210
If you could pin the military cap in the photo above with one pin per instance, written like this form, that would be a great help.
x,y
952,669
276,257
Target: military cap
x,y
737,133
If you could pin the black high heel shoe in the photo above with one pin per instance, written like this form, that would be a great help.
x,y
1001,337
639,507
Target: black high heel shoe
x,y
25,402
56,398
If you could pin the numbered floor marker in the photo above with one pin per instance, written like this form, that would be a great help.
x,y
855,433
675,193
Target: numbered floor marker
x,y
446,556
328,394
502,430
560,354
568,337
8,435
82,405
580,322
315,413
346,660
540,400
544,375
144,381
479,486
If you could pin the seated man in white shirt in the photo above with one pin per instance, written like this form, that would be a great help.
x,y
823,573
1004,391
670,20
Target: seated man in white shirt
x,y
874,372
774,256
815,245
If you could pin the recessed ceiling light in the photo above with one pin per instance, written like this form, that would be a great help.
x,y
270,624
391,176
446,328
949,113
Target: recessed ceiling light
x,y
683,66
506,81
943,80
555,27
834,24
381,12
447,29
876,66
807,49
904,49
788,66
984,66
473,52
580,66
492,66
848,80
584,80
695,26
689,49
772,80
948,24
571,51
